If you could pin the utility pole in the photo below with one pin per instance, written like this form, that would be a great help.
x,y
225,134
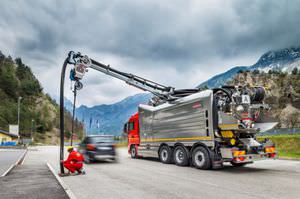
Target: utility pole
x,y
31,135
19,103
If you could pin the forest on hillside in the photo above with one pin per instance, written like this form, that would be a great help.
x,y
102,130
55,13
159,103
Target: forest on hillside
x,y
39,113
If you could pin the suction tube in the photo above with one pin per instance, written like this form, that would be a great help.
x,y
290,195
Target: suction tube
x,y
61,115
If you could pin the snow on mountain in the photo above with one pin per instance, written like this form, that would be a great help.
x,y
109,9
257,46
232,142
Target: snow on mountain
x,y
284,60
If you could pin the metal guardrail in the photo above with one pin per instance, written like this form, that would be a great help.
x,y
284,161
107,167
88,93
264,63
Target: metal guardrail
x,y
282,131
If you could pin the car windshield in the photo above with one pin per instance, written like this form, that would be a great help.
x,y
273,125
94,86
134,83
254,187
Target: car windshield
x,y
101,139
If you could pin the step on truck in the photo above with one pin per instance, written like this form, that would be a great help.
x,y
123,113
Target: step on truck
x,y
204,128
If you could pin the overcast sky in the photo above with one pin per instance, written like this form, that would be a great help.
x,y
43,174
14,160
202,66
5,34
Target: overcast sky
x,y
178,43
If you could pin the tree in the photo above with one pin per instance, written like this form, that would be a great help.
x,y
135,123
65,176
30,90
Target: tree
x,y
295,71
8,81
19,61
2,56
270,72
256,72
293,119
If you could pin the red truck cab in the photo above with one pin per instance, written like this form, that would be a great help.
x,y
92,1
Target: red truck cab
x,y
133,134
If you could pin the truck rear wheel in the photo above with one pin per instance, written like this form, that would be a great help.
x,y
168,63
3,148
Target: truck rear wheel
x,y
133,151
181,156
165,154
201,158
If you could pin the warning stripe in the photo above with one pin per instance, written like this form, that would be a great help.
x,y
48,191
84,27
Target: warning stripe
x,y
176,139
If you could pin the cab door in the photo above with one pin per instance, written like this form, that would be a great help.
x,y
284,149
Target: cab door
x,y
133,136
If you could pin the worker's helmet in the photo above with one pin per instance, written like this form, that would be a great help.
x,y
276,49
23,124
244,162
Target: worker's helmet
x,y
70,148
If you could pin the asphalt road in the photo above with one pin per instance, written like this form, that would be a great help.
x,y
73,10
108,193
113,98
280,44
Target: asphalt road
x,y
148,178
9,157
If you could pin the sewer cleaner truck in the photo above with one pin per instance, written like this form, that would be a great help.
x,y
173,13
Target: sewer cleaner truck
x,y
204,128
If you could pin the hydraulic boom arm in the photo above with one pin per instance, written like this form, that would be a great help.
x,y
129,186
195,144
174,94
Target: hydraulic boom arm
x,y
82,62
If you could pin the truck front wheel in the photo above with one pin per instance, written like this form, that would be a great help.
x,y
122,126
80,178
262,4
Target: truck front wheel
x,y
200,158
165,154
181,156
133,151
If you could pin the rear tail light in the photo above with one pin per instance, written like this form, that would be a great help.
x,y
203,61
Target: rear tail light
x,y
242,158
239,155
270,149
272,155
90,147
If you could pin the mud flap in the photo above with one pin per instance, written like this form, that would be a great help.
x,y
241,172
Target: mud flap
x,y
216,160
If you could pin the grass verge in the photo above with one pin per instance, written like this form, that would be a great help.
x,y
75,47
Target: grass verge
x,y
288,146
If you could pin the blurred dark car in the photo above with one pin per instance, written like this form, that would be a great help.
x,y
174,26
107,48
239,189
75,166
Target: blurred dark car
x,y
98,147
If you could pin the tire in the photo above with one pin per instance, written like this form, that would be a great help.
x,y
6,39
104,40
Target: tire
x,y
165,154
201,158
133,152
181,156
87,160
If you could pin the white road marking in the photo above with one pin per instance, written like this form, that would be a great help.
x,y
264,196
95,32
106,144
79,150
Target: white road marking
x,y
15,164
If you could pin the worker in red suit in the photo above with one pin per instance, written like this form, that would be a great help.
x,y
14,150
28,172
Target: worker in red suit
x,y
74,161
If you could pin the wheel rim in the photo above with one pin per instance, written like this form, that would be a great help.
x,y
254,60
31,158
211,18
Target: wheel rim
x,y
179,155
199,158
164,155
133,152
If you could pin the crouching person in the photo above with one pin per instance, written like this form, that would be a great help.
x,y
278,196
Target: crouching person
x,y
74,161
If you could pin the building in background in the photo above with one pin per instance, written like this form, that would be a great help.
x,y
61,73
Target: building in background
x,y
8,139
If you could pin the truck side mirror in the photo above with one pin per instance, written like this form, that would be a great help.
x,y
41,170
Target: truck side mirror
x,y
125,129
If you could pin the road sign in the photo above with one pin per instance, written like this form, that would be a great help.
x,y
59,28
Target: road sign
x,y
14,129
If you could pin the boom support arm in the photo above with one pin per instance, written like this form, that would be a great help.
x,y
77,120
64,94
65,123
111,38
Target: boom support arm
x,y
82,62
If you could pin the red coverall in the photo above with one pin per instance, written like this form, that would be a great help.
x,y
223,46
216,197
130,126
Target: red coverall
x,y
74,162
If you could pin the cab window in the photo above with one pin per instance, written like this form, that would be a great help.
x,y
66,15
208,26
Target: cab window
x,y
130,126
125,129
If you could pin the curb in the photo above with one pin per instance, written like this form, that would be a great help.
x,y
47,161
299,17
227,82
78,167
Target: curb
x,y
18,162
287,158
62,184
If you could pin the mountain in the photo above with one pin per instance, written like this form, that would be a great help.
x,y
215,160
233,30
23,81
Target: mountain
x,y
109,119
68,104
222,78
284,60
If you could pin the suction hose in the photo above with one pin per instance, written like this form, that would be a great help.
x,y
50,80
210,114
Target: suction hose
x,y
61,115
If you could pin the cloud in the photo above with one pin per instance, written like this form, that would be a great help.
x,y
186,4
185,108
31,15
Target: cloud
x,y
178,43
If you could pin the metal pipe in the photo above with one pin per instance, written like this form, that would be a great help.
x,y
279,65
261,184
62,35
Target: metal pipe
x,y
19,102
73,116
61,114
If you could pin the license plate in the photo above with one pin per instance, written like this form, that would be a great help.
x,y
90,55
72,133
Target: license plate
x,y
245,99
104,148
